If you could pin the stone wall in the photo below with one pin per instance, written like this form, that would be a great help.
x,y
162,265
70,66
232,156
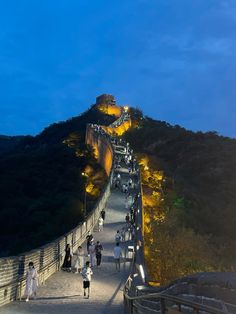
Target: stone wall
x,y
98,139
49,258
107,104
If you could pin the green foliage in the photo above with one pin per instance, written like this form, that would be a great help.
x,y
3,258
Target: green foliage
x,y
181,252
41,186
201,180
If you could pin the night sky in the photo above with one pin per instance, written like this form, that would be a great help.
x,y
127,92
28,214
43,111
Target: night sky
x,y
174,59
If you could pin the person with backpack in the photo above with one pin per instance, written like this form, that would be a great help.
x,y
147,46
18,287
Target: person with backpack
x,y
98,252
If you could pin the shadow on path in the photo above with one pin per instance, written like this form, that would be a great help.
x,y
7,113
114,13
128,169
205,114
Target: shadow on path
x,y
59,298
109,303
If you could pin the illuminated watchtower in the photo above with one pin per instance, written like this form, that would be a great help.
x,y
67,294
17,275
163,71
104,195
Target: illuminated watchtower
x,y
107,104
105,99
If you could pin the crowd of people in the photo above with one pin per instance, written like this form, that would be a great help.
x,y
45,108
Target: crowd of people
x,y
83,261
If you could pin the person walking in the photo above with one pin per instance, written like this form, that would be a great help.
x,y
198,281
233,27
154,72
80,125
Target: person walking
x,y
130,183
100,224
123,232
117,237
89,239
67,259
103,214
31,282
98,252
92,254
123,187
117,255
86,275
127,219
79,263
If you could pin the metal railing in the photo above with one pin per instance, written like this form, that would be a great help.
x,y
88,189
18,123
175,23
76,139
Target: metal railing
x,y
163,302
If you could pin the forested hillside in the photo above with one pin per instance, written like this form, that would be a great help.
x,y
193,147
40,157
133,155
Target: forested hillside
x,y
199,199
8,143
41,186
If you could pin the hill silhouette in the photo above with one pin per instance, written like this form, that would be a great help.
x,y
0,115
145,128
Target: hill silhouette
x,y
42,190
41,186
198,193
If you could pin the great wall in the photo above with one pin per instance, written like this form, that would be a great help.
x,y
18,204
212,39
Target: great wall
x,y
206,292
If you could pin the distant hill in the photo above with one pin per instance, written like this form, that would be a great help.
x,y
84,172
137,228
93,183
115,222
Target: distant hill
x,y
41,186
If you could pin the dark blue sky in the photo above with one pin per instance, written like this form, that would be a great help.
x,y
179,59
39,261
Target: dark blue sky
x,y
173,59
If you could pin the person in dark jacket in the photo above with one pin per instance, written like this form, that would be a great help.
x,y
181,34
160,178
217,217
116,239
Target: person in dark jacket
x,y
98,252
67,259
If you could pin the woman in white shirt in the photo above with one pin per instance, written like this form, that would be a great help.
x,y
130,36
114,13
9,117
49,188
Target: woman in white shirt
x,y
79,262
100,224
31,282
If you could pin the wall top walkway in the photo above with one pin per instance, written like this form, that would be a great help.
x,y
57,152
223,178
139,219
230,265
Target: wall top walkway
x,y
62,291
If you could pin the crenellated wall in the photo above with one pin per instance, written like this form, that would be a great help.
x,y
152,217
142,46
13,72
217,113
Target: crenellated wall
x,y
49,258
107,104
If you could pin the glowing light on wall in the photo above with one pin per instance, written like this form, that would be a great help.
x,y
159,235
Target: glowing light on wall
x,y
112,110
141,271
123,127
89,187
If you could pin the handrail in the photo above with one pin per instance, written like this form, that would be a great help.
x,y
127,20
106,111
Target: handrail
x,y
132,302
177,300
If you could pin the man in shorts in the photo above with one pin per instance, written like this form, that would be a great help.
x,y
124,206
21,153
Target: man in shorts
x,y
86,274
117,255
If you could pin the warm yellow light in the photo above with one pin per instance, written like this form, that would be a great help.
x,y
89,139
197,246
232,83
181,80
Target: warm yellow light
x,y
110,109
126,108
154,283
89,187
144,161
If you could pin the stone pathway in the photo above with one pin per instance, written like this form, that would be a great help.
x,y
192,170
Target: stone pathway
x,y
63,291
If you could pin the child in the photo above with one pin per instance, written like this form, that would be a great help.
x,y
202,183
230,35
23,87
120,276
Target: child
x,y
31,282
86,274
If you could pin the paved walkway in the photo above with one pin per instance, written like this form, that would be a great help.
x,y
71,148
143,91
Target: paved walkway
x,y
63,291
